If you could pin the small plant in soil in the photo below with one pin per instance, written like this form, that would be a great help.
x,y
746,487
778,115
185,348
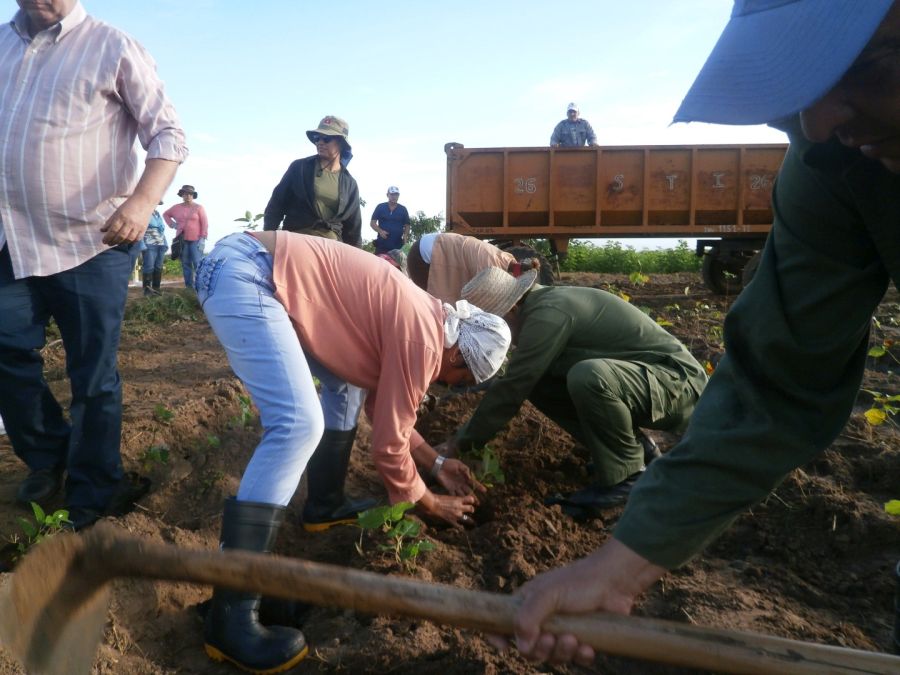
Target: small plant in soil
x,y
210,479
638,278
163,414
213,441
487,466
247,416
401,533
155,455
883,408
44,525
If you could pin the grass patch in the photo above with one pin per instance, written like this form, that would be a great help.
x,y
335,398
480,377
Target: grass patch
x,y
168,308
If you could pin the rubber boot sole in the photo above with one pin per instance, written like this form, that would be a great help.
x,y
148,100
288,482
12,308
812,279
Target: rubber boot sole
x,y
217,655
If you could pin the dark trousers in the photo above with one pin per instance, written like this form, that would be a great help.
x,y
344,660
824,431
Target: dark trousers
x,y
88,304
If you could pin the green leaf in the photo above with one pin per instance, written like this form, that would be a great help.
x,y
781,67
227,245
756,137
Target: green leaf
x,y
875,417
39,515
877,351
399,509
405,528
28,528
373,518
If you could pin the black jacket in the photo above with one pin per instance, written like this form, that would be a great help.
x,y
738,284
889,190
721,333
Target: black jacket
x,y
294,201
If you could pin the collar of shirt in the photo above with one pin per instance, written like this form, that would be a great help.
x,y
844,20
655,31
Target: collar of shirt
x,y
70,21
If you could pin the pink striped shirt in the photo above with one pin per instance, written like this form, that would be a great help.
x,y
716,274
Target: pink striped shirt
x,y
73,99
190,219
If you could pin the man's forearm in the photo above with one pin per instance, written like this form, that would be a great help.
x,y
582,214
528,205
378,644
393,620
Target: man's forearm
x,y
156,178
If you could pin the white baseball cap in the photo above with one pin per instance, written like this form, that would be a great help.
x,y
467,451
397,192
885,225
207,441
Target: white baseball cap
x,y
572,106
393,190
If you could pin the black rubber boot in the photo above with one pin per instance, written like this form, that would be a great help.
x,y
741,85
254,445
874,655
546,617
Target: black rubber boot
x,y
326,505
232,631
157,280
148,279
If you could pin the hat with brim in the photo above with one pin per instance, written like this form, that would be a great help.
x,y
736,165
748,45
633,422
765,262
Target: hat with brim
x,y
187,190
330,126
778,57
495,291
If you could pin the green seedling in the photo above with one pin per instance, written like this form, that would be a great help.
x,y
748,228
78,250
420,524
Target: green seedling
x,y
44,525
401,533
247,416
250,221
884,349
213,441
210,479
487,466
883,408
638,278
163,414
157,454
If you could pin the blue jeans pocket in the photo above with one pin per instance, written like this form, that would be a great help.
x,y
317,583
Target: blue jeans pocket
x,y
207,275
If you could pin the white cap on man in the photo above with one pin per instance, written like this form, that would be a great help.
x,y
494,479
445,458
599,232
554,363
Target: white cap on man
x,y
393,190
572,106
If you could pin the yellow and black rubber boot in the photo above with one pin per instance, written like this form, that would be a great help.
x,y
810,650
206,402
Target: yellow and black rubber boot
x,y
326,505
232,631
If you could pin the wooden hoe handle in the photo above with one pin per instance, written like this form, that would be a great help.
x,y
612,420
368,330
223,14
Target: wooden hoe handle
x,y
334,586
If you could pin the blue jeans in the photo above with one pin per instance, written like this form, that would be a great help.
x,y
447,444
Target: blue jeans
x,y
191,254
88,304
235,288
153,257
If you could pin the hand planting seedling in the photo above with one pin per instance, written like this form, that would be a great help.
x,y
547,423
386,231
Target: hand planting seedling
x,y
400,532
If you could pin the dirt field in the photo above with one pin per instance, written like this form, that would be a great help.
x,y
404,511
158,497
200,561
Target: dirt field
x,y
813,562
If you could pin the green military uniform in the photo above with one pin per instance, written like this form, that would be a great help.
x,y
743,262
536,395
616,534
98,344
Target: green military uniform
x,y
796,342
597,366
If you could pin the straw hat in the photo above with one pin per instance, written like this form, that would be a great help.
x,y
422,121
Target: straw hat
x,y
495,291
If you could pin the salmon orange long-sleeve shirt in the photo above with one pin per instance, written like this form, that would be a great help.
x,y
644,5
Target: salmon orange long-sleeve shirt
x,y
371,326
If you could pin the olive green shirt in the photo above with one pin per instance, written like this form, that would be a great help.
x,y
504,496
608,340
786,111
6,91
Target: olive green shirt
x,y
796,341
562,325
327,192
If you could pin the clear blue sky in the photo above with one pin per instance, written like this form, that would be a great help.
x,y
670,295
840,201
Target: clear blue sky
x,y
248,79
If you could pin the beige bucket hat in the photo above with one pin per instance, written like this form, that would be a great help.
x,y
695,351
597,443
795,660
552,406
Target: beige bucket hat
x,y
495,291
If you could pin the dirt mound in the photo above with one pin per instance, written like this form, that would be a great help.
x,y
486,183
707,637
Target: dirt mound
x,y
813,561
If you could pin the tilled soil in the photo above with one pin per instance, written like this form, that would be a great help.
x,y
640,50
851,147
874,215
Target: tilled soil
x,y
814,561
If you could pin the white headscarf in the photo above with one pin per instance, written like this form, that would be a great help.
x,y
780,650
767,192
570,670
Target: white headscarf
x,y
483,338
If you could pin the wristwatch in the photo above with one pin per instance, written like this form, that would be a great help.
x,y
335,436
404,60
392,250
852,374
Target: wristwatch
x,y
438,463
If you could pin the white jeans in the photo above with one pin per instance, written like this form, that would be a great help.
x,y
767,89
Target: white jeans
x,y
235,288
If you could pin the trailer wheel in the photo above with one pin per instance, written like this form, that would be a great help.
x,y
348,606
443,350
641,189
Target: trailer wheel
x,y
750,268
545,271
722,275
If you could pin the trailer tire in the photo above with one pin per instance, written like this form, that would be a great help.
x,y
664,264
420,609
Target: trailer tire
x,y
750,268
722,275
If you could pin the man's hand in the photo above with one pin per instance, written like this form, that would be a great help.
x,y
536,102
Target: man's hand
x,y
457,479
128,224
610,579
453,510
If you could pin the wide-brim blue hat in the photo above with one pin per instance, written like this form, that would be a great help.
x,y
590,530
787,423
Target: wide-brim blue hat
x,y
777,57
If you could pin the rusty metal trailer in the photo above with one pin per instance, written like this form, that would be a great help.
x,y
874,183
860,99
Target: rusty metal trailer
x,y
718,194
